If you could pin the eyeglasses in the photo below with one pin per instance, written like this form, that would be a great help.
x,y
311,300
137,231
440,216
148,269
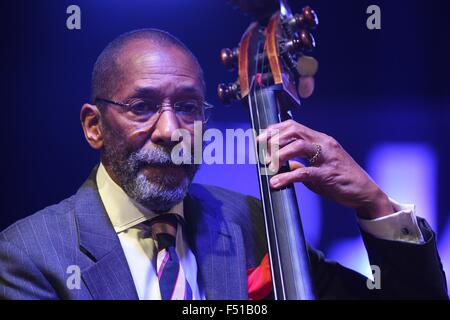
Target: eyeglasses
x,y
142,110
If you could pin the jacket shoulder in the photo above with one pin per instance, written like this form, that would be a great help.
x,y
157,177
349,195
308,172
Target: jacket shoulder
x,y
47,223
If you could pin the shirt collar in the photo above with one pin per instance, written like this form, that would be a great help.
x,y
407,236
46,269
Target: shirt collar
x,y
123,212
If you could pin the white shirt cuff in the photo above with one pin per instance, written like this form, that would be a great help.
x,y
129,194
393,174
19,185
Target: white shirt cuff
x,y
399,226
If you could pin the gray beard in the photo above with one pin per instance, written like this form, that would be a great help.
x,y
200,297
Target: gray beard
x,y
159,194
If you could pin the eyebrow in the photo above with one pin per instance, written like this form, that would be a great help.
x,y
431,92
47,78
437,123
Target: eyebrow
x,y
146,91
153,91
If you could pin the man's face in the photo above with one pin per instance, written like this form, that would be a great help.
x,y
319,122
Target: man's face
x,y
138,154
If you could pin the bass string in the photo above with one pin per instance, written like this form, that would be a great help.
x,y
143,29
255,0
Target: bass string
x,y
265,110
259,69
284,205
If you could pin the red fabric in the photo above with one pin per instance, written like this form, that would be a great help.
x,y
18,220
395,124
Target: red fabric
x,y
260,280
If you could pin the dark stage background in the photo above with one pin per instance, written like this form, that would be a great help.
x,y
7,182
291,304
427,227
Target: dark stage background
x,y
384,94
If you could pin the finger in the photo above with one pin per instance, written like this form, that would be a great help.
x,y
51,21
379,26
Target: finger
x,y
306,174
287,136
266,134
298,148
293,165
284,137
275,129
276,139
299,129
266,144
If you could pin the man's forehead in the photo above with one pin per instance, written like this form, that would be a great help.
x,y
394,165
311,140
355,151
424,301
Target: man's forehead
x,y
154,79
144,87
153,57
149,68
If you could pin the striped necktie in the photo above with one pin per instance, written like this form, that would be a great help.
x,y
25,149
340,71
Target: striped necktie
x,y
172,280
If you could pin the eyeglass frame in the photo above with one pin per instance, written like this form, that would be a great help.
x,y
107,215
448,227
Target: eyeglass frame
x,y
206,106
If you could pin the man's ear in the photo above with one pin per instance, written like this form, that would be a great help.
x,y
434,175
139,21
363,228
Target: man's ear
x,y
91,123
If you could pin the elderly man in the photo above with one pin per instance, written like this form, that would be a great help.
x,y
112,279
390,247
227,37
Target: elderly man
x,y
138,229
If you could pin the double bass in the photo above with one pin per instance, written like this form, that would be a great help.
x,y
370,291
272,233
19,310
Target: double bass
x,y
274,74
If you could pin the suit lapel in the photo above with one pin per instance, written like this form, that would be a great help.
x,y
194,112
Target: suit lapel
x,y
218,247
216,242
109,276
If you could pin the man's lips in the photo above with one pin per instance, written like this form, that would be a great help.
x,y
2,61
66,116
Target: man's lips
x,y
166,168
158,165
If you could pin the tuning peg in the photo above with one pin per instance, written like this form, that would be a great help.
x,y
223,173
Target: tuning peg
x,y
229,57
307,66
304,42
228,92
307,19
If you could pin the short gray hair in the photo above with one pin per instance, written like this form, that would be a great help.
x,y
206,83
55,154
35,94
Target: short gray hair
x,y
106,69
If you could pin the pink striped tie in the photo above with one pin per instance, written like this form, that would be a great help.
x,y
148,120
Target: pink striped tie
x,y
172,280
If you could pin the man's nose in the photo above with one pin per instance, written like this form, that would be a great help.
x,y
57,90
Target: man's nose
x,y
167,123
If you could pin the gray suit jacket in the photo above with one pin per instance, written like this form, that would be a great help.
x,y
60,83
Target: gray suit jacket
x,y
40,255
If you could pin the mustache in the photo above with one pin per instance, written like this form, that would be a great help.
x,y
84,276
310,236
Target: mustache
x,y
156,156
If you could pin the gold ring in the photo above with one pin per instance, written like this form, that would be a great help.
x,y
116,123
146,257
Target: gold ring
x,y
315,157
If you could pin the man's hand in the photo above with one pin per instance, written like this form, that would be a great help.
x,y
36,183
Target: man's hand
x,y
334,173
